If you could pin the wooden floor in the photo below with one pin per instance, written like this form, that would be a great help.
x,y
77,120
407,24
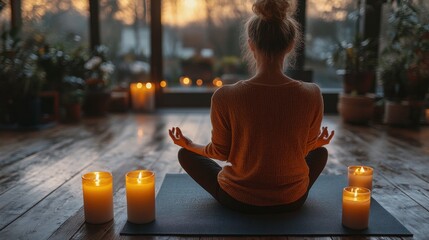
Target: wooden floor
x,y
40,171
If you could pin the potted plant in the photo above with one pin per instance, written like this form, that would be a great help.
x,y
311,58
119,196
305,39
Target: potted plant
x,y
72,95
98,73
20,82
356,62
404,64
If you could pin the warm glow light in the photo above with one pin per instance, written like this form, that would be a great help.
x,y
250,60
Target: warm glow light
x,y
217,82
139,178
163,84
355,191
148,85
199,82
186,80
97,179
360,170
139,85
330,10
140,132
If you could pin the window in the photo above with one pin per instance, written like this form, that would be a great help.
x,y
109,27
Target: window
x,y
58,22
4,14
328,22
202,43
125,30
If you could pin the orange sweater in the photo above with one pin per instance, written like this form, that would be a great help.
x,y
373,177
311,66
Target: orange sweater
x,y
265,132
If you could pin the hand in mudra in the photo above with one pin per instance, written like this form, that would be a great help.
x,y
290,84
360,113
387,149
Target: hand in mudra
x,y
324,137
178,138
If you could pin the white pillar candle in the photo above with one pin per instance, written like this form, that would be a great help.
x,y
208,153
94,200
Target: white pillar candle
x,y
98,197
360,176
356,206
140,188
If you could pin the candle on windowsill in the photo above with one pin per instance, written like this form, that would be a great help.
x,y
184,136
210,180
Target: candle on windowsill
x,y
97,190
185,81
360,176
140,190
142,96
356,206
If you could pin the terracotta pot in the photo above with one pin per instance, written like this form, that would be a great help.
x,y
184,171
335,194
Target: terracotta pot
x,y
73,112
406,113
360,83
356,109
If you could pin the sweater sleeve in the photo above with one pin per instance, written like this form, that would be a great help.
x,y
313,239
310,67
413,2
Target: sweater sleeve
x,y
220,144
316,121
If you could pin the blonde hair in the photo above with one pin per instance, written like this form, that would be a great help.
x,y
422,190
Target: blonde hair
x,y
272,29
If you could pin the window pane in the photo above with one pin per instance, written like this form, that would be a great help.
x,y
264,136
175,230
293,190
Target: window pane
x,y
125,30
4,14
59,22
328,22
202,42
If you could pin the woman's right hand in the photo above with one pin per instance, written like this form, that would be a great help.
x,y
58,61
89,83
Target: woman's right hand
x,y
178,138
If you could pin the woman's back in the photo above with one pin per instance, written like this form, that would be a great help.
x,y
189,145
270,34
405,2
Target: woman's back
x,y
271,128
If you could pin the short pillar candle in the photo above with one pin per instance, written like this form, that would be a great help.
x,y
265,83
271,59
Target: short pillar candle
x,y
98,197
140,188
356,206
360,176
142,96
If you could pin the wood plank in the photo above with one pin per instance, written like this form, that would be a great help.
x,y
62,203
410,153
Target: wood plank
x,y
151,139
58,188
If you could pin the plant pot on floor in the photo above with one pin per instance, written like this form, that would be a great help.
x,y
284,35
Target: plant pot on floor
x,y
403,114
356,109
96,104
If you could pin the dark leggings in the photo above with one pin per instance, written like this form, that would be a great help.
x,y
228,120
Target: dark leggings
x,y
204,171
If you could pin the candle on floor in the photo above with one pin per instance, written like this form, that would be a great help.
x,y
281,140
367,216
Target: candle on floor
x,y
360,176
143,96
140,188
185,81
98,197
356,205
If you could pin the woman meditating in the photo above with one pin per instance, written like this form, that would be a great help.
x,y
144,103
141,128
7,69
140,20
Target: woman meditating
x,y
267,128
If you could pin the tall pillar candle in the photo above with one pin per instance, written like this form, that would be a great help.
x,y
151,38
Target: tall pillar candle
x,y
360,176
142,96
140,188
98,197
356,206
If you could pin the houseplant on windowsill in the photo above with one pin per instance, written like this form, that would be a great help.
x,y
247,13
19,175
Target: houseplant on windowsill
x,y
404,64
356,62
20,82
98,73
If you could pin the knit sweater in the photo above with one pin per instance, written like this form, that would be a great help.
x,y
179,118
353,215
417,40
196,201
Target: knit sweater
x,y
265,133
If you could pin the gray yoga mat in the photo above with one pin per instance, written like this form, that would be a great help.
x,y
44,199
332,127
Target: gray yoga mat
x,y
184,208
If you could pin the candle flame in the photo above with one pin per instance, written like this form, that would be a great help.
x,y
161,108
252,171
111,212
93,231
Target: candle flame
x,y
139,178
148,85
186,80
163,84
355,192
360,170
139,85
200,82
217,82
97,179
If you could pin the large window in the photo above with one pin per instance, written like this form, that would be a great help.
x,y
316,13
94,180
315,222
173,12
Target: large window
x,y
328,23
58,22
4,14
125,30
202,42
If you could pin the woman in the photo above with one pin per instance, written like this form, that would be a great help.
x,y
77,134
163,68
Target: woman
x,y
267,127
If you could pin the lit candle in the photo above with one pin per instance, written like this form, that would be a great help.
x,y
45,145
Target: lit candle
x,y
185,81
199,82
97,197
356,205
140,188
360,176
217,82
143,96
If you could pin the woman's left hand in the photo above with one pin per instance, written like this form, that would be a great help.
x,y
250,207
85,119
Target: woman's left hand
x,y
178,138
324,137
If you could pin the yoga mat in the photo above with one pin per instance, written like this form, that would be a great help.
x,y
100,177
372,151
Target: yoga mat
x,y
184,208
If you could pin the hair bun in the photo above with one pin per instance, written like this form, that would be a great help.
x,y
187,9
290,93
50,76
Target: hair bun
x,y
274,10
